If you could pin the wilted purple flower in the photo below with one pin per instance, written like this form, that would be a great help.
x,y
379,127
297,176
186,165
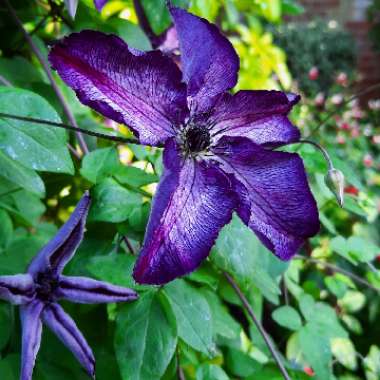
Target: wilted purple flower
x,y
218,153
43,285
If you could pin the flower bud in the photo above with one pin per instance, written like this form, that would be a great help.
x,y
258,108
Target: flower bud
x,y
335,182
313,73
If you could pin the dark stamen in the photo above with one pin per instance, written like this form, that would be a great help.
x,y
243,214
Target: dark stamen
x,y
47,283
197,138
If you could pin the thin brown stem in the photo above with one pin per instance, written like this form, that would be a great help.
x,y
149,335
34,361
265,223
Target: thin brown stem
x,y
263,333
46,68
337,269
129,246
71,128
144,23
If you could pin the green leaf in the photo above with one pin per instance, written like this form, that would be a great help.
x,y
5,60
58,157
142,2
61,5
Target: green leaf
x,y
211,372
25,207
99,164
36,146
145,337
223,324
352,323
292,8
19,71
306,303
193,315
6,229
116,269
336,286
352,301
355,249
112,202
21,176
241,364
288,317
344,351
271,9
134,177
6,370
158,15
316,350
372,363
239,252
6,323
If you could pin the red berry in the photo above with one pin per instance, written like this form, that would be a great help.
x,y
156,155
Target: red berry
x,y
355,132
368,161
342,79
314,73
309,371
351,190
345,126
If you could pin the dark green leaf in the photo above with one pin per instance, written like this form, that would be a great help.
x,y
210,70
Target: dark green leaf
x,y
36,146
288,317
19,175
145,338
193,315
112,202
99,164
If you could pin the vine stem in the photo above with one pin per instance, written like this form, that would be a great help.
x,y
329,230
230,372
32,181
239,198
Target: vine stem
x,y
180,373
337,269
144,23
333,112
263,333
46,68
71,128
5,81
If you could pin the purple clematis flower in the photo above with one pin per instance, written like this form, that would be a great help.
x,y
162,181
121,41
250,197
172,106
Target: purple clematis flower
x,y
99,4
218,154
43,285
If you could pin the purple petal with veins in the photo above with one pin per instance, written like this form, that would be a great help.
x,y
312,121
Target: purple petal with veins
x,y
143,91
260,116
209,62
275,198
193,202
31,336
56,254
87,290
67,331
18,289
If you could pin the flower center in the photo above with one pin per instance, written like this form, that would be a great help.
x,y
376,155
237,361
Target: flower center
x,y
47,283
197,138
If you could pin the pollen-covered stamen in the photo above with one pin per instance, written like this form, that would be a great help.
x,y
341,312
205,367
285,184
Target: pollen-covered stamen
x,y
46,285
197,138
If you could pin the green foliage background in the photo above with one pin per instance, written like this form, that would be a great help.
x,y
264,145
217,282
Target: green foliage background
x,y
317,310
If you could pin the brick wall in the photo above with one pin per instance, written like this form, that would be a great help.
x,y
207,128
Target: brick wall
x,y
351,14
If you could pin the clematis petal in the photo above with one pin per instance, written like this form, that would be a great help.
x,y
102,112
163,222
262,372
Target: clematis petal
x,y
275,198
55,255
192,203
260,116
87,290
99,4
209,62
141,90
67,331
31,337
18,289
